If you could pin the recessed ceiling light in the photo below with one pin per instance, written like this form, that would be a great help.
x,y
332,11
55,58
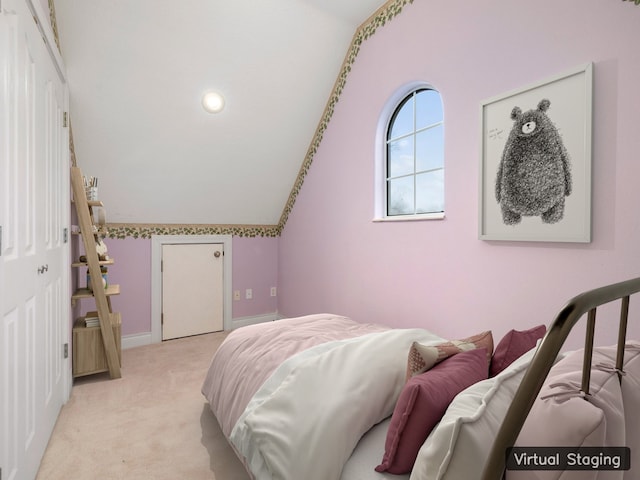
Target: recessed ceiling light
x,y
213,102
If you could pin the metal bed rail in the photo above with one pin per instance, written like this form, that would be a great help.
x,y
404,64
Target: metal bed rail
x,y
545,356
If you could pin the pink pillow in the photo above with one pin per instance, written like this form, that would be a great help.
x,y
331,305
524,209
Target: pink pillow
x,y
596,420
631,400
630,387
512,346
422,403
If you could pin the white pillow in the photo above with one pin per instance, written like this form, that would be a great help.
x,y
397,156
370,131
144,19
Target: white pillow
x,y
459,446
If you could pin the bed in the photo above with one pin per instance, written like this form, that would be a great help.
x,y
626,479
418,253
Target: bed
x,y
324,397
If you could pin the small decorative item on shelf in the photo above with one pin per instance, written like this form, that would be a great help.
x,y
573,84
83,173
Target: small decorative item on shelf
x,y
101,249
91,188
105,281
91,319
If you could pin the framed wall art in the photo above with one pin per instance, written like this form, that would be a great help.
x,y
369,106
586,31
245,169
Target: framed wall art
x,y
535,168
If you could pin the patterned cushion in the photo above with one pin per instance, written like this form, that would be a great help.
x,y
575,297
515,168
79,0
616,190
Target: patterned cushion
x,y
423,357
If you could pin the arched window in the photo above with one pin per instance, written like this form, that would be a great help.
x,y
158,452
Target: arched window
x,y
414,157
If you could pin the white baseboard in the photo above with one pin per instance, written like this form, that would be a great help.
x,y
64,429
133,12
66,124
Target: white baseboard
x,y
136,340
140,339
244,321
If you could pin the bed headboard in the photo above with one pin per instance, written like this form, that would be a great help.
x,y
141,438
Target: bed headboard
x,y
548,350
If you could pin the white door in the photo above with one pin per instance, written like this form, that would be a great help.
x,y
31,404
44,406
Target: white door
x,y
34,277
192,289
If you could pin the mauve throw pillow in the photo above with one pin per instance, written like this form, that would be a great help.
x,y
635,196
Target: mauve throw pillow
x,y
422,403
512,346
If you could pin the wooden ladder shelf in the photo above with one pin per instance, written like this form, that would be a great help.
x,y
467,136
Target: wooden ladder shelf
x,y
107,318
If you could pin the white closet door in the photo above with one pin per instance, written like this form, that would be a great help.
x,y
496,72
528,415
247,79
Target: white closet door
x,y
34,201
192,289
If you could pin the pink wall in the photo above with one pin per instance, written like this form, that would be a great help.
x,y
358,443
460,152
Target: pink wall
x,y
438,274
132,271
254,266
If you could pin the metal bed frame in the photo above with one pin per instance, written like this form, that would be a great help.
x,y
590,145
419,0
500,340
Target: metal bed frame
x,y
547,352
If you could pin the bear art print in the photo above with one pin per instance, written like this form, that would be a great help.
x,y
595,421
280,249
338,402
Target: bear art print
x,y
534,175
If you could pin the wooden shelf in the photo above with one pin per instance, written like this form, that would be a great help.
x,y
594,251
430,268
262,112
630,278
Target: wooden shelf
x,y
111,261
112,289
90,203
101,231
95,349
88,347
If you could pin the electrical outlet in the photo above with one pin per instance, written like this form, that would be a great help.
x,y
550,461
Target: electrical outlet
x,y
274,291
248,294
236,294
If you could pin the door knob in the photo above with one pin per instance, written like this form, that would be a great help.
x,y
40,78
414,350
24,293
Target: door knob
x,y
216,254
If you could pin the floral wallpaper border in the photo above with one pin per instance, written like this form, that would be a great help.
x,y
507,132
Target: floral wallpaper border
x,y
146,230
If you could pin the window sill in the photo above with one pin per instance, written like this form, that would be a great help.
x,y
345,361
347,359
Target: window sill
x,y
411,218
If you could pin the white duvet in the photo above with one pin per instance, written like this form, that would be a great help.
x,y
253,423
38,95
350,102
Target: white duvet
x,y
307,418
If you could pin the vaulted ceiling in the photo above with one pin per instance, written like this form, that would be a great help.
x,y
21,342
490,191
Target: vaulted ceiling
x,y
137,71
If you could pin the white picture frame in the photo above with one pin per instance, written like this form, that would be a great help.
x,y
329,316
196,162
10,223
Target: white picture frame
x,y
570,112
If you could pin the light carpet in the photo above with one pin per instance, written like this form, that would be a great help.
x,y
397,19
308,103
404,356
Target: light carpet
x,y
153,423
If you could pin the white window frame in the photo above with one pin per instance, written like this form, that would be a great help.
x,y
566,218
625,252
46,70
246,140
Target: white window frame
x,y
380,158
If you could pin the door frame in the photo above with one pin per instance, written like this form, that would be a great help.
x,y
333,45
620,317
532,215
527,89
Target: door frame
x,y
157,241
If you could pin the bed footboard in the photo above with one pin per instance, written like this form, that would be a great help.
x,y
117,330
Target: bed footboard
x,y
532,382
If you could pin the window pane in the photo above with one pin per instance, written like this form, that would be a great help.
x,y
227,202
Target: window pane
x,y
430,149
430,192
400,157
414,161
428,108
400,196
402,122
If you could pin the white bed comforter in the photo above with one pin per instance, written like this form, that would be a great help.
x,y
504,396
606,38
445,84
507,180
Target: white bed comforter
x,y
250,355
306,419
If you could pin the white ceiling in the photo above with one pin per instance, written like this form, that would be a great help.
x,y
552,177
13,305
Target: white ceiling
x,y
137,71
